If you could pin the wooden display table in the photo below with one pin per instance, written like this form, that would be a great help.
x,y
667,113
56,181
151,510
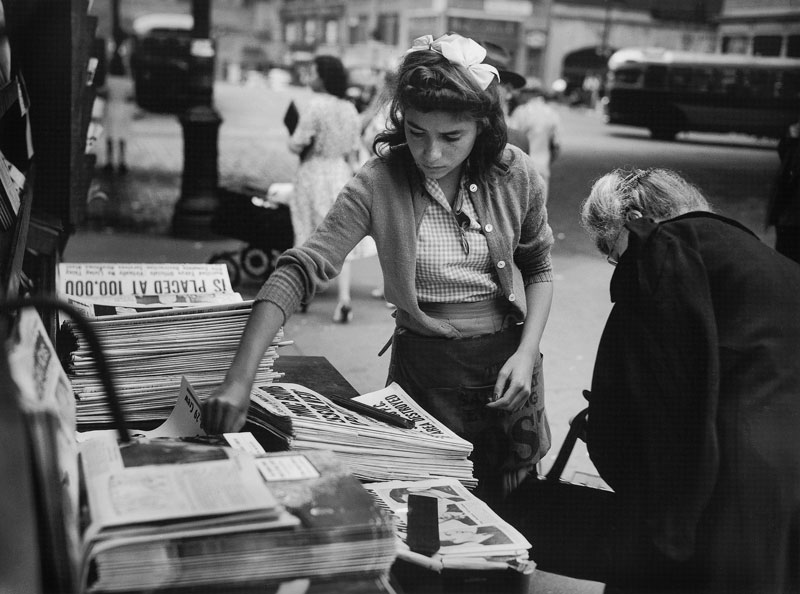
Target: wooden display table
x,y
316,373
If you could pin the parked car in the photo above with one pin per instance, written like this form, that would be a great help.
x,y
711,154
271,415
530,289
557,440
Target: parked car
x,y
160,60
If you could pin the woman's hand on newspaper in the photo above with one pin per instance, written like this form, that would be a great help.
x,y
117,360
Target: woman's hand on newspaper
x,y
225,411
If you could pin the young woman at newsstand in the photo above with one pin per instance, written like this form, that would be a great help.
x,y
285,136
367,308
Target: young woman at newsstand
x,y
460,223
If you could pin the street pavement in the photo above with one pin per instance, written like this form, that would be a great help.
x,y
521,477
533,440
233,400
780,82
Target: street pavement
x,y
129,221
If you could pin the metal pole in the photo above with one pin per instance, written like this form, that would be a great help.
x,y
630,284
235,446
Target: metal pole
x,y
200,121
116,27
606,27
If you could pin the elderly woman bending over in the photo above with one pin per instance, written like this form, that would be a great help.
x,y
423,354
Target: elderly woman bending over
x,y
694,413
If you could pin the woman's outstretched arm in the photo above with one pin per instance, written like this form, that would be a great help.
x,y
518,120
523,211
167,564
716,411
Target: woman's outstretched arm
x,y
225,410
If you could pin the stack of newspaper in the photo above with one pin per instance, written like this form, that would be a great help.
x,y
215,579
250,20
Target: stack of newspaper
x,y
169,514
372,449
156,323
471,534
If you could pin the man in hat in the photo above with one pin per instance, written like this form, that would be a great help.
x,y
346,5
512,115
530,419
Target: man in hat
x,y
541,124
510,83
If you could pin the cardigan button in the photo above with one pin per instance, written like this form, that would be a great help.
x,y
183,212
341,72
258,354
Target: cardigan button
x,y
473,187
488,228
512,297
501,264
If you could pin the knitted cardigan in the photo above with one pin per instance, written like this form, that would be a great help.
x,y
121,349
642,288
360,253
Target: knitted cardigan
x,y
387,200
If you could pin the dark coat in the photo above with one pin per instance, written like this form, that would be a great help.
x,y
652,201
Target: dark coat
x,y
694,415
784,206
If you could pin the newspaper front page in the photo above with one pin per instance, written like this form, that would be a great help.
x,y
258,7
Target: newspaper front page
x,y
373,449
102,289
471,534
296,400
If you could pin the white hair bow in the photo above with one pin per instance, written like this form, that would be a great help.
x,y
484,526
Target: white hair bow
x,y
460,50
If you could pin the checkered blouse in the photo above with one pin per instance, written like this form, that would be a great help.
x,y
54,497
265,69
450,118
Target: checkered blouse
x,y
453,264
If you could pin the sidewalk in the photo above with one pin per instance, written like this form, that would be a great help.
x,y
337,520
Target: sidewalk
x,y
130,222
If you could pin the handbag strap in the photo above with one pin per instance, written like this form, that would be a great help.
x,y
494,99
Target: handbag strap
x,y
576,427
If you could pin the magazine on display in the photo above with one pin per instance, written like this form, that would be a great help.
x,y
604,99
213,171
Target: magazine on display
x,y
48,406
288,515
471,534
162,479
372,449
12,182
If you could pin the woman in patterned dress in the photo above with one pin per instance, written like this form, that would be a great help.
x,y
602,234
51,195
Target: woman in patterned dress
x,y
327,138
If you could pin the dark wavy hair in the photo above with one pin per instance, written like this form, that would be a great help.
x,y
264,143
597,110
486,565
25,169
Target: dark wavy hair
x,y
427,81
333,75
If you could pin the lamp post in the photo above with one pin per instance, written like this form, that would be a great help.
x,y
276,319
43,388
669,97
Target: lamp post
x,y
605,48
200,122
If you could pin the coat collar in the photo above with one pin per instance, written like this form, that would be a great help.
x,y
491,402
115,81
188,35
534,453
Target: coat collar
x,y
635,267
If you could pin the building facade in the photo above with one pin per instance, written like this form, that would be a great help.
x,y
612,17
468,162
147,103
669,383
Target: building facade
x,y
549,39
376,32
583,34
761,28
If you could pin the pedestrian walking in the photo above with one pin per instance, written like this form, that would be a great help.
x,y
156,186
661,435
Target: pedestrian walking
x,y
510,84
783,211
694,415
119,109
541,124
327,137
460,224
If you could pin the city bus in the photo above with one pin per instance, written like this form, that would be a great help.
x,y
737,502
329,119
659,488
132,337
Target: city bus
x,y
669,91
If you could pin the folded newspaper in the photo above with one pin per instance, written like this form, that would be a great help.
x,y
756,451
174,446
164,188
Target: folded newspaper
x,y
372,449
471,534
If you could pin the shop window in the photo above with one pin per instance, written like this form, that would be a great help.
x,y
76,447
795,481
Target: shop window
x,y
793,46
291,33
331,32
387,28
358,29
734,44
310,31
767,45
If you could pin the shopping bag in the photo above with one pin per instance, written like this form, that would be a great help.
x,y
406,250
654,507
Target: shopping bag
x,y
291,117
290,120
568,524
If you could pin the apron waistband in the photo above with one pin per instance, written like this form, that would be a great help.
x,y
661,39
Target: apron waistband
x,y
474,318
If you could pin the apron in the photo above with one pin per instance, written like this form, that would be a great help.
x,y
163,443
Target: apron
x,y
453,379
